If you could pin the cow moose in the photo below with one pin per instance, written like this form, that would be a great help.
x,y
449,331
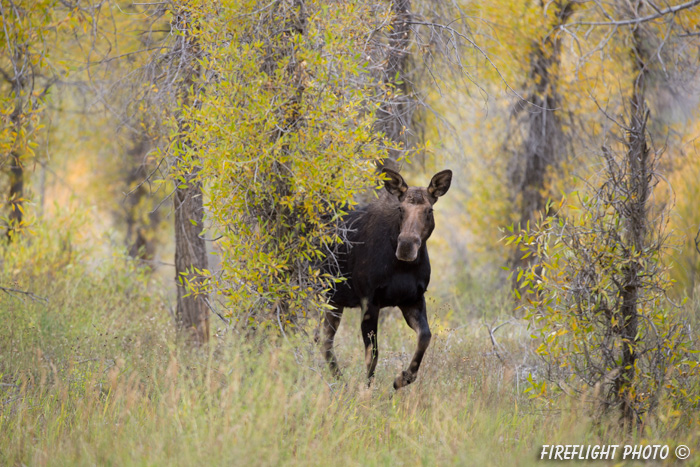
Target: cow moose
x,y
384,262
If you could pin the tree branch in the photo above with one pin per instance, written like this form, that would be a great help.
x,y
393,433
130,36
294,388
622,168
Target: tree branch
x,y
643,19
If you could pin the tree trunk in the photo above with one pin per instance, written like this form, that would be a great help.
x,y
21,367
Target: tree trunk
x,y
190,259
544,140
396,111
639,177
282,215
140,237
190,248
15,196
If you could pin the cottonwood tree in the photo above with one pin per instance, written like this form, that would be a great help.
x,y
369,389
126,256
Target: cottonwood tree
x,y
104,53
416,55
598,291
522,136
395,113
301,100
140,213
139,116
285,137
28,36
542,145
148,85
191,262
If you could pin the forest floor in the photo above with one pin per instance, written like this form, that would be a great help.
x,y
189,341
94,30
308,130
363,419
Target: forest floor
x,y
94,376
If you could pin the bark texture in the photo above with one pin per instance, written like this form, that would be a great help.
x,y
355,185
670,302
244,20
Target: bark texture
x,y
544,140
190,257
140,226
190,248
396,110
639,176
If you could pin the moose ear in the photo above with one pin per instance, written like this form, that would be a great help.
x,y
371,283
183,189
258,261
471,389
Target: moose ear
x,y
440,183
394,183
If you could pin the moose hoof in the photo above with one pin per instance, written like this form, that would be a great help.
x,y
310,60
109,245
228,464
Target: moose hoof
x,y
404,379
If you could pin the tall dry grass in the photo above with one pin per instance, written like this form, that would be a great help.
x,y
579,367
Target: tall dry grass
x,y
94,376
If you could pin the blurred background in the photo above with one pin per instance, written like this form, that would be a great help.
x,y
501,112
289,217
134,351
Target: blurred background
x,y
174,172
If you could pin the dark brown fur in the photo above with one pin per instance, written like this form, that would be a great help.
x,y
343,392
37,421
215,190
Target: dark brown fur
x,y
385,263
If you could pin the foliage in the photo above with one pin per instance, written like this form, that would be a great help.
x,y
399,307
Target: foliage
x,y
278,127
59,284
27,72
522,156
574,296
600,285
282,141
593,75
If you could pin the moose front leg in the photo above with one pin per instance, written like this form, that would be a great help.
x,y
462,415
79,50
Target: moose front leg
x,y
370,317
417,318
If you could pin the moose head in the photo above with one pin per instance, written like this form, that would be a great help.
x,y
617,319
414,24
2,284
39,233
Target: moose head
x,y
415,210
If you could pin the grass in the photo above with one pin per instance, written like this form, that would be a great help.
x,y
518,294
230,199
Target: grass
x,y
95,377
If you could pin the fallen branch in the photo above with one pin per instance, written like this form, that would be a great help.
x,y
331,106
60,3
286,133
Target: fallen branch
x,y
493,339
17,293
222,318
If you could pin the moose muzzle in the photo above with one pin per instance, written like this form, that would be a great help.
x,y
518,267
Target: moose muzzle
x,y
408,246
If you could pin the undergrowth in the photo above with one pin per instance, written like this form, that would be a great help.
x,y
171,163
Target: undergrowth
x,y
92,374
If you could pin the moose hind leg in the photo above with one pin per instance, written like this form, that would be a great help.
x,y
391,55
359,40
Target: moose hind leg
x,y
331,321
370,317
417,318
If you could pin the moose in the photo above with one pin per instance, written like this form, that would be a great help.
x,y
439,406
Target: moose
x,y
384,262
